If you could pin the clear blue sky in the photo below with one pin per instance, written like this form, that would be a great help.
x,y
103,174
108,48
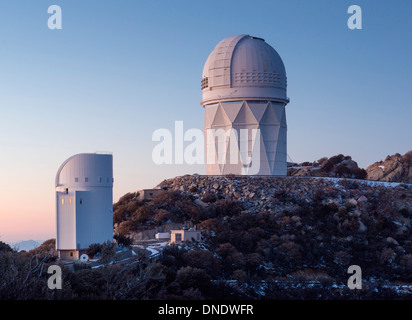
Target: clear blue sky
x,y
118,70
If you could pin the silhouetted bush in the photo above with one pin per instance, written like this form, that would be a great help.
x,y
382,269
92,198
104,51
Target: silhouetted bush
x,y
209,197
93,249
227,207
122,240
4,247
188,277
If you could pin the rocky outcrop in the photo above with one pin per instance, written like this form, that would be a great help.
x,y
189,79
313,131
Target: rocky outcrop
x,y
339,166
276,194
395,168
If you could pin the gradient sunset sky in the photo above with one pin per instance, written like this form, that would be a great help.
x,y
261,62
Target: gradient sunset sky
x,y
118,70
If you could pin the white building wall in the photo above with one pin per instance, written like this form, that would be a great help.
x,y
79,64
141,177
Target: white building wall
x,y
66,221
94,217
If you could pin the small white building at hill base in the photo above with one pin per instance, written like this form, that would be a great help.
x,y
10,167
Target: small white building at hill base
x,y
177,236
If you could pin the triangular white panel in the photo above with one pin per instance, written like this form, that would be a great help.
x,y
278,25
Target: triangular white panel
x,y
269,117
264,163
283,123
232,110
279,111
210,113
245,116
258,109
221,119
270,132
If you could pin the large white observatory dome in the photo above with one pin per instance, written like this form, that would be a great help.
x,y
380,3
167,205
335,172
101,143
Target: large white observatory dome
x,y
243,67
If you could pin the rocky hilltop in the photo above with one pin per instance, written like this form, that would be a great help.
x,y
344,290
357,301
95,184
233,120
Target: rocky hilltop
x,y
277,194
338,166
278,237
395,168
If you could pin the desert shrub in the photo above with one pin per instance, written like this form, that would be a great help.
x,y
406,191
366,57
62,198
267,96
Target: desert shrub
x,y
88,283
209,197
319,195
342,258
350,225
322,160
341,170
46,249
231,258
126,227
227,207
93,249
142,214
126,198
338,159
360,173
188,277
253,262
166,198
308,274
4,247
239,275
172,256
326,166
387,255
122,240
180,206
203,259
161,215
108,250
406,260
208,224
291,252
124,208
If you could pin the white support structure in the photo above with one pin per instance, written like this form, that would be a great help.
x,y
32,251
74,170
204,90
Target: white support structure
x,y
244,93
84,203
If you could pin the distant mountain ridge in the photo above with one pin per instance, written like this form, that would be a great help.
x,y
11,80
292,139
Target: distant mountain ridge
x,y
26,245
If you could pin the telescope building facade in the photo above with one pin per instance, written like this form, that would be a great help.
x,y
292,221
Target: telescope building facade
x,y
84,203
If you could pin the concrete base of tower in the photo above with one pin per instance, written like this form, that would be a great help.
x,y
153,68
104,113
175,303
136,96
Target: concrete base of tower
x,y
246,138
68,255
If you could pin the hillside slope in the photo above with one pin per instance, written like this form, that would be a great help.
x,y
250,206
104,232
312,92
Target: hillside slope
x,y
288,228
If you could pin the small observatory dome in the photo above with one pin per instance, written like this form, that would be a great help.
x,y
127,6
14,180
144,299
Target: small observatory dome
x,y
243,67
86,170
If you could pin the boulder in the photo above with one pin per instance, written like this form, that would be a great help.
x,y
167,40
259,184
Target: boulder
x,y
362,199
362,227
392,241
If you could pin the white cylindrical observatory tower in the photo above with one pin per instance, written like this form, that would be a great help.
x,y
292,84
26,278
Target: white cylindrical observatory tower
x,y
84,203
244,97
